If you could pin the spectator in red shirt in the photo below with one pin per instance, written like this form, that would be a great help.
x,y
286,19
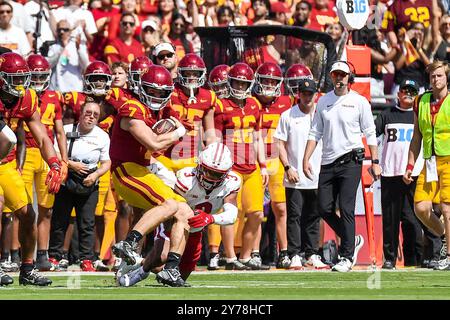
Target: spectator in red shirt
x,y
127,6
401,13
103,16
302,14
279,12
125,48
259,11
322,15
166,10
177,36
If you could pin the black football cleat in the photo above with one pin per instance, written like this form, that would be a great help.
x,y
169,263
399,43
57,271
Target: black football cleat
x,y
170,277
33,278
5,279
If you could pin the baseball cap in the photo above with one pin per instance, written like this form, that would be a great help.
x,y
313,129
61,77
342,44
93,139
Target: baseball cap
x,y
307,85
149,23
340,66
409,83
164,46
279,7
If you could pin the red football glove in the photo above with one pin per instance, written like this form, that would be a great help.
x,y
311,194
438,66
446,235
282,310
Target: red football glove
x,y
200,220
54,180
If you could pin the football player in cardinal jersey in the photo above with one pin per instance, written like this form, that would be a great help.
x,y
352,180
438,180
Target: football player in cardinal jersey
x,y
194,106
35,169
238,120
18,105
137,66
268,82
132,145
217,81
207,188
292,76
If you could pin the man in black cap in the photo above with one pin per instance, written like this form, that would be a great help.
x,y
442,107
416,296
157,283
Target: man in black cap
x,y
301,193
397,198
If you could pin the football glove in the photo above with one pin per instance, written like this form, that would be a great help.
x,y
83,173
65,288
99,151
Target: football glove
x,y
54,180
64,170
200,220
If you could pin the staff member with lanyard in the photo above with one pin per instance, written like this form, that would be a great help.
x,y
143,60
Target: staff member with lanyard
x,y
88,145
341,116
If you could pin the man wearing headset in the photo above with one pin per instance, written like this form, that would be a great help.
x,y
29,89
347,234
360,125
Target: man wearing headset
x,y
341,116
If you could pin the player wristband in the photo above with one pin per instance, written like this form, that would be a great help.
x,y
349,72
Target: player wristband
x,y
375,161
180,131
2,125
287,167
54,161
409,167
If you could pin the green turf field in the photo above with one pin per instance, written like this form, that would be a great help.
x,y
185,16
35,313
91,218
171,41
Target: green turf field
x,y
286,285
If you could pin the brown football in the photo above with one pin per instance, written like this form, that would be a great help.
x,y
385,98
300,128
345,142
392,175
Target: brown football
x,y
164,126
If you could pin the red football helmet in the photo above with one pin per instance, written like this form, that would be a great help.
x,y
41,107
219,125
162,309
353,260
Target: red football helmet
x,y
240,72
195,68
136,68
14,74
156,87
294,74
268,80
40,72
97,78
217,80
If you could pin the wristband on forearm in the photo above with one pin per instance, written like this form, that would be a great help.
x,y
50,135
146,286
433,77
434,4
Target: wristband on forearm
x,y
180,131
410,167
54,161
2,125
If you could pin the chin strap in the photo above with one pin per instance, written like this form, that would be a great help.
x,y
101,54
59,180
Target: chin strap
x,y
192,98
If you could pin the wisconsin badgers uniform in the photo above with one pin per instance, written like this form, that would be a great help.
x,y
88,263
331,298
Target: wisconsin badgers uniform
x,y
191,116
132,179
35,169
196,197
11,181
270,116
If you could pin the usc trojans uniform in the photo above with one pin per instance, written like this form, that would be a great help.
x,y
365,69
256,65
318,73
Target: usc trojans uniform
x,y
270,115
15,192
35,169
131,178
237,126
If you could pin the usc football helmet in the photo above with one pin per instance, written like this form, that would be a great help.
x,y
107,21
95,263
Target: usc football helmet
x,y
14,74
268,80
156,87
217,80
40,72
214,163
97,78
240,80
191,71
136,67
294,74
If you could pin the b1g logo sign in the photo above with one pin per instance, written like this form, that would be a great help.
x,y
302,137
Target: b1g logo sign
x,y
353,14
399,134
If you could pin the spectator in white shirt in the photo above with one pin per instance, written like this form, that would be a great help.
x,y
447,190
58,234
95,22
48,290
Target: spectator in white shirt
x,y
48,22
68,58
12,37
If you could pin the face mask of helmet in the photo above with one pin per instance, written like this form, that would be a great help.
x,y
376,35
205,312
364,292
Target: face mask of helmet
x,y
208,178
40,80
220,88
16,83
239,93
98,84
268,90
155,97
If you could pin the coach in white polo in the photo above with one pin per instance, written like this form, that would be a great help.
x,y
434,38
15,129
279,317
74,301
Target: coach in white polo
x,y
301,193
342,116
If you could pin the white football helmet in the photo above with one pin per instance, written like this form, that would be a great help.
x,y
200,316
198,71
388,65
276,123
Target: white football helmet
x,y
214,163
